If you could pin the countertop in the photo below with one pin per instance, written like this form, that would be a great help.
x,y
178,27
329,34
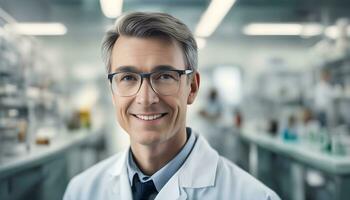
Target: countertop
x,y
327,162
42,153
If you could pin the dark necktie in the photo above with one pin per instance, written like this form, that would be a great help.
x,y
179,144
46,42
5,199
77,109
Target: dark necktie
x,y
142,191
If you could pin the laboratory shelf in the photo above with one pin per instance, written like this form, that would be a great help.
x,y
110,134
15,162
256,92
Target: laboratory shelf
x,y
39,154
44,171
278,162
327,162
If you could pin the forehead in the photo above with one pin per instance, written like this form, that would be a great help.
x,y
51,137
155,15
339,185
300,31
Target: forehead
x,y
146,53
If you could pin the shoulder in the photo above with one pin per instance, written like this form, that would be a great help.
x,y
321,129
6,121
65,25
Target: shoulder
x,y
92,179
222,178
240,184
98,170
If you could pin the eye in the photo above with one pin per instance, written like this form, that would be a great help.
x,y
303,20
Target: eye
x,y
164,76
127,77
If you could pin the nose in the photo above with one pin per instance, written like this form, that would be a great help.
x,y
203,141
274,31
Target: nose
x,y
146,95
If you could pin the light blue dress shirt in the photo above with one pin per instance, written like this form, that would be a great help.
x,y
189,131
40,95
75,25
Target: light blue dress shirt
x,y
161,177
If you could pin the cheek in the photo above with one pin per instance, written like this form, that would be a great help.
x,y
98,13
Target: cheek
x,y
180,107
118,114
120,106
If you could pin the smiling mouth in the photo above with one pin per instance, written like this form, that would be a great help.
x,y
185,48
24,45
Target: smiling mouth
x,y
149,117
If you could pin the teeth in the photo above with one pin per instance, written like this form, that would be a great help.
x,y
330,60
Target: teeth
x,y
149,117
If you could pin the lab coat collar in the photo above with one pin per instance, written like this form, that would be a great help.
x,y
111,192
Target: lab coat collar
x,y
190,174
119,180
198,171
120,163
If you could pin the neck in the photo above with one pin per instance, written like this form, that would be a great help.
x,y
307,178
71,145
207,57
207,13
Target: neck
x,y
151,158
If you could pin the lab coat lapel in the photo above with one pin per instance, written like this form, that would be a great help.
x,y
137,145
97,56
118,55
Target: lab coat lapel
x,y
171,190
120,180
125,189
198,171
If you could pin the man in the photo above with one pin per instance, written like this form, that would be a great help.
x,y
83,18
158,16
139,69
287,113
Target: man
x,y
152,68
324,98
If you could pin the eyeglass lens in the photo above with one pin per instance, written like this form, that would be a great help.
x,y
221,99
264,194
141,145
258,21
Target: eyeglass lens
x,y
163,82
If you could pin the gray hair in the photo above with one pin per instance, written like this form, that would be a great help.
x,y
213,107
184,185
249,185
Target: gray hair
x,y
143,25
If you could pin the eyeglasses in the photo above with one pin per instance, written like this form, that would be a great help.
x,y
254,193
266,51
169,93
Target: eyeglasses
x,y
164,82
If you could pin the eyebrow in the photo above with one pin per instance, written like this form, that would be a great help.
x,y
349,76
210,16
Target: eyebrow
x,y
134,69
126,69
163,67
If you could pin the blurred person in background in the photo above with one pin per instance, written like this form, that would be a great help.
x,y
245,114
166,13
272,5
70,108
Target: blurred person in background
x,y
210,121
152,68
212,110
324,97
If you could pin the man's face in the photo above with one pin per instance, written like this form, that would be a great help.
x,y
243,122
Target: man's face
x,y
144,55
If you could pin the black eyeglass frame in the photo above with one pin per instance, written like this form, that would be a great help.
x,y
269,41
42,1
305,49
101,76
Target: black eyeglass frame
x,y
148,75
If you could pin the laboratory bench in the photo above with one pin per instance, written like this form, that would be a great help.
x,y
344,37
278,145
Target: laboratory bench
x,y
268,156
44,171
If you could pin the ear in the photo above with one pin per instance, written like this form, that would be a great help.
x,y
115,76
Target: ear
x,y
194,88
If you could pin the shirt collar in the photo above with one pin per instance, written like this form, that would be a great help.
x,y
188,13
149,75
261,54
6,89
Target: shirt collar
x,y
161,177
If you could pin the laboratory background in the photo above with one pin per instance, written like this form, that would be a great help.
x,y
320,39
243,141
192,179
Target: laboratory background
x,y
274,95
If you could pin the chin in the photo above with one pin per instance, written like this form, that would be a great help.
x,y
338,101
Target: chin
x,y
147,137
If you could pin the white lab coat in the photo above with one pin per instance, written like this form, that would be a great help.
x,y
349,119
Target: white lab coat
x,y
204,175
